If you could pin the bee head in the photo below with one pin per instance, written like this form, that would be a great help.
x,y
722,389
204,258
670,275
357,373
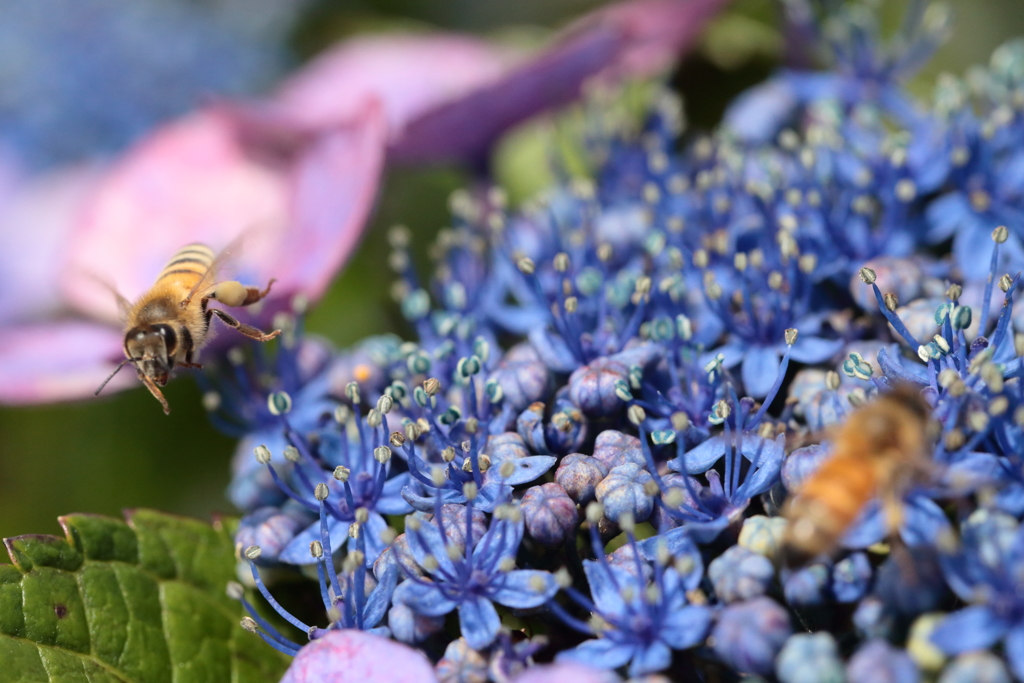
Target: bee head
x,y
151,348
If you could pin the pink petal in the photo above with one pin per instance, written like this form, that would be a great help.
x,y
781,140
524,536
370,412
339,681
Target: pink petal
x,y
352,656
192,181
408,74
59,361
36,216
636,38
565,672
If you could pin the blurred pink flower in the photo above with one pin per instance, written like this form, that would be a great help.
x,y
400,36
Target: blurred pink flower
x,y
568,671
296,173
191,180
450,97
352,656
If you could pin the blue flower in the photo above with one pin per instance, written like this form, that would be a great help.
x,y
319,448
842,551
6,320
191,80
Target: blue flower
x,y
475,578
639,616
986,573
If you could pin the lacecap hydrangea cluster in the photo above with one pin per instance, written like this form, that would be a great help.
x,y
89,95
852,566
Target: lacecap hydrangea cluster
x,y
582,453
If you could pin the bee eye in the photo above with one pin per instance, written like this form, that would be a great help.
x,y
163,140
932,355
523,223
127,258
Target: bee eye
x,y
170,338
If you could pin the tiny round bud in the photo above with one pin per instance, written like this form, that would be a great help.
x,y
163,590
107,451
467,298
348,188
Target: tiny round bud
x,y
791,335
832,380
1000,234
291,454
321,491
262,454
253,552
316,549
382,454
891,301
279,403
868,276
341,473
235,590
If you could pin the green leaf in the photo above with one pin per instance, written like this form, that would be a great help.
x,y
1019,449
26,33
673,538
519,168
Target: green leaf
x,y
141,601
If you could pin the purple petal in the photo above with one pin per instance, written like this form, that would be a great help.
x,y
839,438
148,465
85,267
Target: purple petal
x,y
760,368
972,628
702,458
427,540
351,656
380,598
501,540
424,598
479,622
627,39
525,469
519,588
869,528
604,581
59,361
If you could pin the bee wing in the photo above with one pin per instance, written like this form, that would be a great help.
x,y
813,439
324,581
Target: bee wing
x,y
206,282
123,305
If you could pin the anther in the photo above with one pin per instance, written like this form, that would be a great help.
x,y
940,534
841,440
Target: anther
x,y
321,491
253,552
341,473
262,454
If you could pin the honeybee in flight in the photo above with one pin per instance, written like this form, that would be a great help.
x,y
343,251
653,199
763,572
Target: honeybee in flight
x,y
169,323
881,450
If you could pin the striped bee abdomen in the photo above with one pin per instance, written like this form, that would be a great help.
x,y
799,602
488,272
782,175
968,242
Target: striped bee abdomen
x,y
189,263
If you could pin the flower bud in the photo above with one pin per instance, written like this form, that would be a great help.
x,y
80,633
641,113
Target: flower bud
x,y
622,492
550,514
740,574
579,475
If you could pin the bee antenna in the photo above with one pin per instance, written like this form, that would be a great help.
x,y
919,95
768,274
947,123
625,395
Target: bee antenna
x,y
111,376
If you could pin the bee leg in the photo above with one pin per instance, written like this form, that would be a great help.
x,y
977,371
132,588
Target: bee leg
x,y
190,364
157,394
233,293
247,330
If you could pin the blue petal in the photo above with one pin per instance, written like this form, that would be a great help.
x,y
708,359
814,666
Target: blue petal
x,y
651,659
526,469
973,471
812,350
491,495
769,467
706,532
923,521
758,114
686,627
605,582
423,598
702,458
426,503
479,622
380,598
427,540
297,551
974,260
552,350
391,501
867,529
501,540
602,653
679,544
972,628
760,368
1014,650
517,588
945,214
372,533
896,372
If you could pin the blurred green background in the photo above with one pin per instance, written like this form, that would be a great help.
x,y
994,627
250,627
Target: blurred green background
x,y
120,451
